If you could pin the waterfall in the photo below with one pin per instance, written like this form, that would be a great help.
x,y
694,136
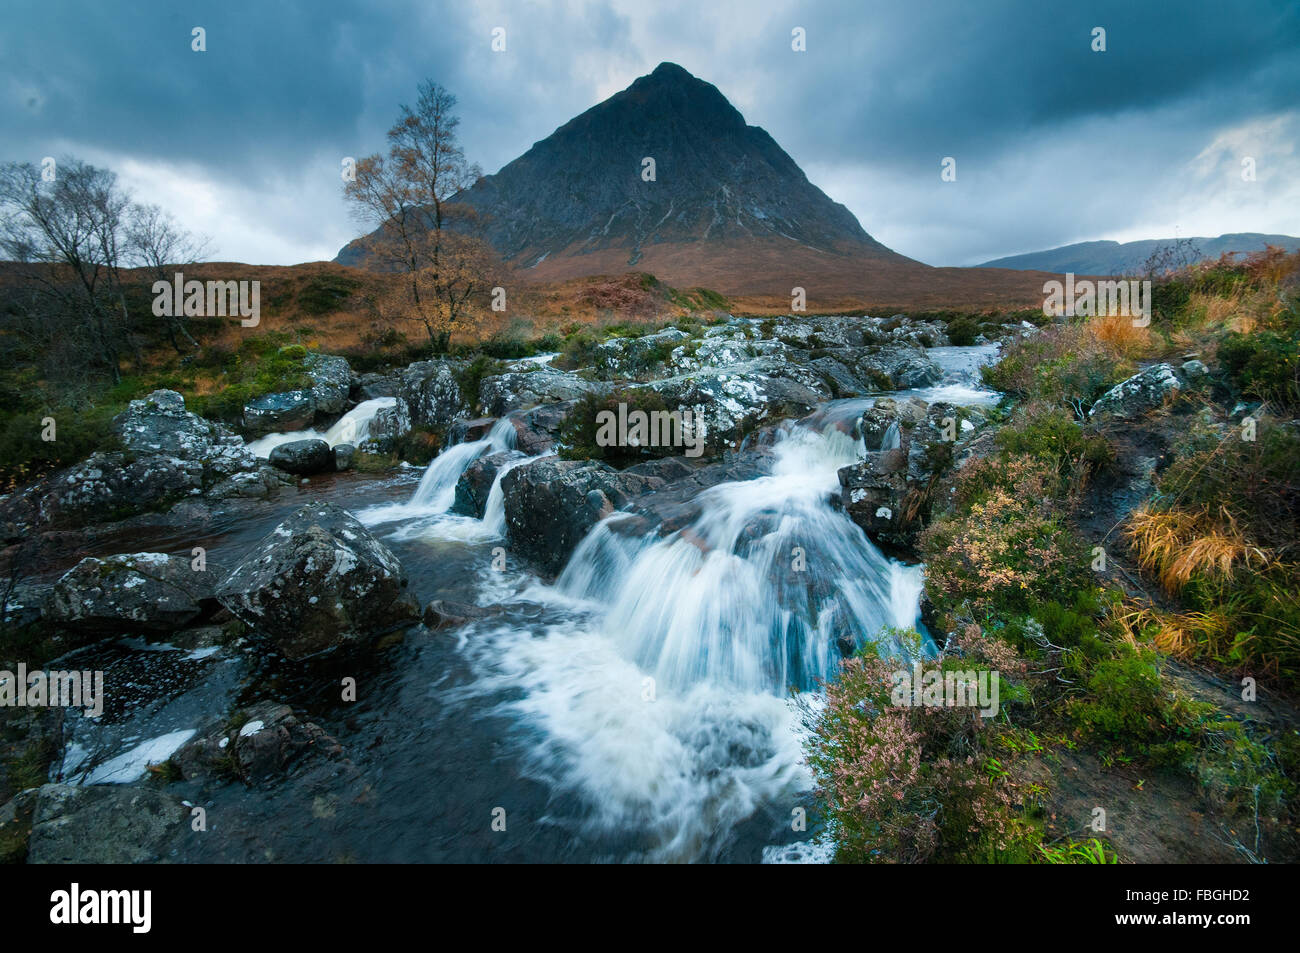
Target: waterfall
x,y
653,676
353,427
437,489
761,591
893,438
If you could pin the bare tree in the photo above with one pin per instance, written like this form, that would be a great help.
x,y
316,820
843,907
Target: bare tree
x,y
157,244
418,231
71,231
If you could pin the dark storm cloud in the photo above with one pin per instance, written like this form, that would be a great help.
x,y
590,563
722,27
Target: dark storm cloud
x,y
1055,143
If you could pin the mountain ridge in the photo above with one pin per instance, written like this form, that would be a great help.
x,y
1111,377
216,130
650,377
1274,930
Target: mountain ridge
x,y
1106,257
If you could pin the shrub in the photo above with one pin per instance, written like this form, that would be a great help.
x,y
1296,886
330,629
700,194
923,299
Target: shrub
x,y
902,784
578,434
1264,364
1003,548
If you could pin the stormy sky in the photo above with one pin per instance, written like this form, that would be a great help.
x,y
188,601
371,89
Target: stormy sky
x,y
1054,143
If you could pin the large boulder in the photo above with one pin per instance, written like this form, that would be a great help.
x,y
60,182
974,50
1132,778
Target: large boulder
x,y
160,424
131,594
475,484
317,581
303,457
432,394
284,412
552,504
104,824
503,393
873,493
331,382
732,402
538,429
1146,390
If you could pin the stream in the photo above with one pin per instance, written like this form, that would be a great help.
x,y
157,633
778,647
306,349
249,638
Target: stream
x,y
637,708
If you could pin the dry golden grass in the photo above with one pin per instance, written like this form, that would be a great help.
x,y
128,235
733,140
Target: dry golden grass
x,y
1118,335
1174,545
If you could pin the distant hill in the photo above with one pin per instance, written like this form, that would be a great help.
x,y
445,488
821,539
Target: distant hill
x,y
1113,258
728,209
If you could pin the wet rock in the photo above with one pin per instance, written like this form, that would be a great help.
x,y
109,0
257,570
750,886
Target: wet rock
x,y
388,424
139,593
331,382
279,413
475,483
269,743
345,455
551,504
872,493
371,385
464,431
503,393
104,824
915,371
432,394
303,457
317,581
537,430
1146,390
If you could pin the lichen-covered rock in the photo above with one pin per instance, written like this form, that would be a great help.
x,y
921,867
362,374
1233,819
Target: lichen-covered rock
x,y
132,594
503,393
317,581
284,412
388,424
331,382
551,504
160,424
1146,390
303,457
104,824
432,394
734,401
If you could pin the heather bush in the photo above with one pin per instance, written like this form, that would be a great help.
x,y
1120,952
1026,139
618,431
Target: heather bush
x,y
904,784
1002,548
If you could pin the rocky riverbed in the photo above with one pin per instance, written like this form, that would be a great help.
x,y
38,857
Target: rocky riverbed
x,y
306,662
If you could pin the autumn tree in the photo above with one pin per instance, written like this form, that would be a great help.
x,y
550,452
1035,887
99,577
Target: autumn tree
x,y
418,231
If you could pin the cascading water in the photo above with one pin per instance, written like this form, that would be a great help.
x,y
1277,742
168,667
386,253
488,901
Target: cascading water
x,y
758,592
655,681
353,427
437,489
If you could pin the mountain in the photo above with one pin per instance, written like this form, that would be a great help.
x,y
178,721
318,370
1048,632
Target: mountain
x,y
728,208
1113,258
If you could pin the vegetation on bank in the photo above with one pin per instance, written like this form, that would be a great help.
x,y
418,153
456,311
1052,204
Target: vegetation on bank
x,y
1088,629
